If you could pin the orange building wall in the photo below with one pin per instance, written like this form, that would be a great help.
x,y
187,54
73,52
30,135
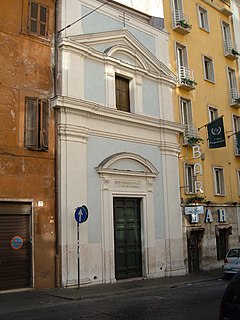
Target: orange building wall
x,y
25,175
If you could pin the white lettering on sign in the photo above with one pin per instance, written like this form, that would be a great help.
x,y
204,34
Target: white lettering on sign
x,y
221,215
196,152
208,216
197,169
198,186
194,210
194,218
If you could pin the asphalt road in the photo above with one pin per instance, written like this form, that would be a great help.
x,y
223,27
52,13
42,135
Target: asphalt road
x,y
196,301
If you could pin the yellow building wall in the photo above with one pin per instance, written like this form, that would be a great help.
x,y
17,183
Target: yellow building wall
x,y
198,43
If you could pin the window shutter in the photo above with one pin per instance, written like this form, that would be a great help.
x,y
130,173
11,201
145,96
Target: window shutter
x,y
43,21
122,94
33,17
31,123
44,124
38,19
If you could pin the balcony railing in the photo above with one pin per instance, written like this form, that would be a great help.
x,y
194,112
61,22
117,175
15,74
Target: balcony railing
x,y
231,50
181,22
234,98
186,78
237,150
189,133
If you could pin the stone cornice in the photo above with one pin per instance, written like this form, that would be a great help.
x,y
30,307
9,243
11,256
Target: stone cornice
x,y
97,111
155,130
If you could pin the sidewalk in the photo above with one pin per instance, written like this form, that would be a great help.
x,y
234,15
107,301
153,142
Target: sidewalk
x,y
126,287
25,299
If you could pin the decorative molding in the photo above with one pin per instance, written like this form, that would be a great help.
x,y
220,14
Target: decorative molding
x,y
105,167
69,132
123,40
149,130
93,110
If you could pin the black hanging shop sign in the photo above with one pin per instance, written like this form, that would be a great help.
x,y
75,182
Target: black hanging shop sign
x,y
216,134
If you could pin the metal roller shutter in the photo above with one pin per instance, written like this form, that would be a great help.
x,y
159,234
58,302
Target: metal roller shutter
x,y
15,249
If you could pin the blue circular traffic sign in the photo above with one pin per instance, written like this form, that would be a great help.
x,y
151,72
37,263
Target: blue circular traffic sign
x,y
16,242
81,214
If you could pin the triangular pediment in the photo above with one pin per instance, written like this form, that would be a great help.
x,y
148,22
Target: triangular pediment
x,y
123,47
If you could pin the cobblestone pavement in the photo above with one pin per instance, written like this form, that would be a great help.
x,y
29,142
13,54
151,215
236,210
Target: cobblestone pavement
x,y
197,299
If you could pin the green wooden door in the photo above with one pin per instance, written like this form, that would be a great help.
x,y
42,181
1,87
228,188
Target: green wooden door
x,y
127,225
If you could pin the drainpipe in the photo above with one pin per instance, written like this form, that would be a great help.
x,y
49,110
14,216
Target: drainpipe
x,y
57,246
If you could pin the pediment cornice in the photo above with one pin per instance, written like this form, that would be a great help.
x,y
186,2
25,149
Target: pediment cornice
x,y
120,42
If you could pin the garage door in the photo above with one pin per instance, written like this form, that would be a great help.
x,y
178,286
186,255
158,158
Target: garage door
x,y
15,246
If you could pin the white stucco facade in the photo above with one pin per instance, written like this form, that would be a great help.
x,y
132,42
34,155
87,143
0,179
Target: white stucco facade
x,y
105,153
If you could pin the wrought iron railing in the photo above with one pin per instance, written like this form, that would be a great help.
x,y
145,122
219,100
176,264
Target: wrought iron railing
x,y
230,48
237,149
189,132
186,76
180,19
234,96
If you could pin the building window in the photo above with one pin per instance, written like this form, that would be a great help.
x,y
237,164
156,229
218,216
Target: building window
x,y
238,177
177,5
234,95
181,56
222,243
38,16
36,124
227,39
187,119
212,113
203,18
232,79
186,111
219,181
236,129
189,178
122,93
208,69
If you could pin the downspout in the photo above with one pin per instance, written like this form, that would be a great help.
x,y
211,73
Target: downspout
x,y
57,245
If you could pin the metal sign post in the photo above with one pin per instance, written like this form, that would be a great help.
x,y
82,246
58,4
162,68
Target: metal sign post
x,y
78,253
81,215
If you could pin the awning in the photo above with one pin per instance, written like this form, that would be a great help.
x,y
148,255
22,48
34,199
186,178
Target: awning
x,y
226,227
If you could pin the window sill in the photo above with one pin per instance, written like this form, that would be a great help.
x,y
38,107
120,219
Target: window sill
x,y
36,149
36,37
210,81
203,29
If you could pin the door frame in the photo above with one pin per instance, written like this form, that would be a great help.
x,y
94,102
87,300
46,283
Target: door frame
x,y
134,184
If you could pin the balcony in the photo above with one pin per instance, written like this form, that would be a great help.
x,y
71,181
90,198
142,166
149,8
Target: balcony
x,y
226,9
186,78
190,135
231,50
181,23
237,149
234,98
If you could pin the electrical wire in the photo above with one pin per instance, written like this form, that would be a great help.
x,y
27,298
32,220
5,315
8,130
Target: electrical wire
x,y
68,26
